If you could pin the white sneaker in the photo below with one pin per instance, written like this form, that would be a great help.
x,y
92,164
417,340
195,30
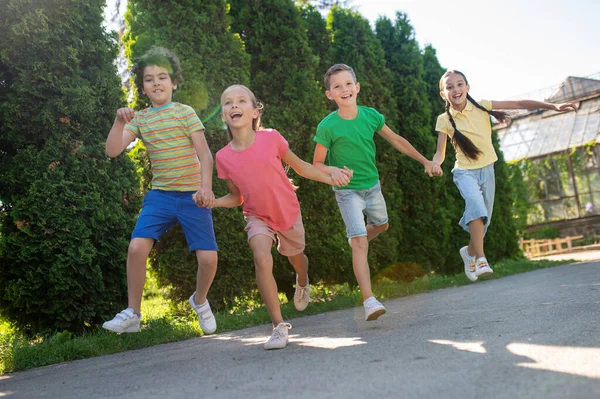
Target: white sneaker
x,y
279,337
302,295
124,322
469,263
373,309
482,268
207,321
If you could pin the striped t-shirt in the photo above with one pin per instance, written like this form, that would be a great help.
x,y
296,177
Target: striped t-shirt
x,y
166,133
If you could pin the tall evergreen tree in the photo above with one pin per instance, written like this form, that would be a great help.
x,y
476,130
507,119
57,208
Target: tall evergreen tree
x,y
212,58
66,209
405,62
318,38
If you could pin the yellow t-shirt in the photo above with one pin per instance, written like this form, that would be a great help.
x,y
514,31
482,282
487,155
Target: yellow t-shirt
x,y
474,124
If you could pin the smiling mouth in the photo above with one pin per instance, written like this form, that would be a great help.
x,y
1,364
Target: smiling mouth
x,y
235,116
346,96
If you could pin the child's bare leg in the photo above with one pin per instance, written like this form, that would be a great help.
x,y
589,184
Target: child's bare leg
x,y
300,265
476,229
373,231
360,249
263,265
137,256
207,268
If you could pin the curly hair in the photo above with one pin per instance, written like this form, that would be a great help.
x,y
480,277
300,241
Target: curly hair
x,y
161,57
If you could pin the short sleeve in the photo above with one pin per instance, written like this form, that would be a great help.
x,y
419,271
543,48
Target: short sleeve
x,y
282,144
132,128
442,124
487,104
380,120
323,136
191,121
221,170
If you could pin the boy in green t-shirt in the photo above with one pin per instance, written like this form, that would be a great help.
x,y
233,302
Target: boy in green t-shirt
x,y
345,137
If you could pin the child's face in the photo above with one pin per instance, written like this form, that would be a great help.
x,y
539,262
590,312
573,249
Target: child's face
x,y
455,90
158,86
238,109
342,89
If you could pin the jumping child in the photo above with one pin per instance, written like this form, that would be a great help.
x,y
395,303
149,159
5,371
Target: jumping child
x,y
181,166
467,123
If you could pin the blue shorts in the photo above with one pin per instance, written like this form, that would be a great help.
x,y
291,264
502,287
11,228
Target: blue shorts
x,y
356,204
477,187
162,209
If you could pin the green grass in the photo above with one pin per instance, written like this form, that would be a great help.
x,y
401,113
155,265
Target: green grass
x,y
163,323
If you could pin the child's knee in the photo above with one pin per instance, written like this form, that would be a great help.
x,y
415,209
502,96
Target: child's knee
x,y
140,247
384,227
206,258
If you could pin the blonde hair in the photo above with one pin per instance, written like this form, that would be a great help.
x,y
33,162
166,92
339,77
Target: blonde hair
x,y
256,123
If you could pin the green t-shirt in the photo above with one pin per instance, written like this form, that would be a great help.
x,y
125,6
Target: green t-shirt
x,y
350,143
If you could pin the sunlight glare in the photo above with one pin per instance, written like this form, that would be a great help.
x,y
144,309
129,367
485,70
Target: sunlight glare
x,y
314,342
475,347
564,359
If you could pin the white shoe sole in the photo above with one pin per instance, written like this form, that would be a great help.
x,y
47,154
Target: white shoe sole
x,y
485,272
375,315
121,330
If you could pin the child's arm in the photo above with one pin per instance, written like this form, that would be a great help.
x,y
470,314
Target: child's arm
x,y
311,172
116,142
530,104
206,164
340,177
440,154
402,145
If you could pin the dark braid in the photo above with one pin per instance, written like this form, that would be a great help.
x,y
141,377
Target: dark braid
x,y
460,140
499,115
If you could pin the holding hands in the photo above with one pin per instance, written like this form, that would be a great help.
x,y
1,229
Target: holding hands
x,y
204,198
341,177
125,115
433,169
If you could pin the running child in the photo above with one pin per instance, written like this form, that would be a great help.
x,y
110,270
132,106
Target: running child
x,y
252,166
181,165
345,138
467,123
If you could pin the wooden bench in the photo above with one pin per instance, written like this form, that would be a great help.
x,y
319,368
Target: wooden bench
x,y
535,248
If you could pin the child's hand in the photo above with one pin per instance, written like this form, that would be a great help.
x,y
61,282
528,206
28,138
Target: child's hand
x,y
570,106
436,169
208,197
429,169
125,115
197,197
341,177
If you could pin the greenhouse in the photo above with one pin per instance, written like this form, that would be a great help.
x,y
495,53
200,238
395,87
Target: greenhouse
x,y
559,159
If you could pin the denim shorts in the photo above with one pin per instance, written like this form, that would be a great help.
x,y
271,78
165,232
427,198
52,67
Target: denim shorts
x,y
477,187
162,209
356,204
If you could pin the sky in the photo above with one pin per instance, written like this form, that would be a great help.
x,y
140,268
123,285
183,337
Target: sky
x,y
506,48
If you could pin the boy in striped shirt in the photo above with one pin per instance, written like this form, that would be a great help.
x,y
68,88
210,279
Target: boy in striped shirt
x,y
181,165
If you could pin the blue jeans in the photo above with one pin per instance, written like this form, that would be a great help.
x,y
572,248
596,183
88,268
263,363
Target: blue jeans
x,y
356,204
477,187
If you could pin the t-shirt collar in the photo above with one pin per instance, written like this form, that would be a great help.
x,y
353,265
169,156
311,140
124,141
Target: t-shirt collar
x,y
468,108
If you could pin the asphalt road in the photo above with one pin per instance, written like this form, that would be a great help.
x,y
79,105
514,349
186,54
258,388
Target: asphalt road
x,y
532,335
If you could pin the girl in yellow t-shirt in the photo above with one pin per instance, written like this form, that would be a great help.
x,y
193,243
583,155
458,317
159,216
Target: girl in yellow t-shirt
x,y
467,123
